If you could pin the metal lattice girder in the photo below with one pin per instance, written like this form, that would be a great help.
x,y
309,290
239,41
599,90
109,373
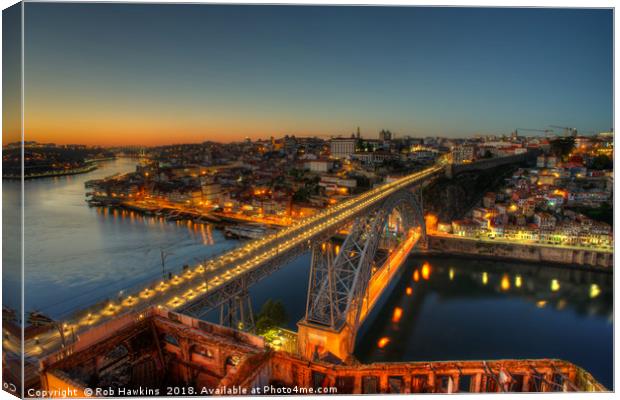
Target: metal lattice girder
x,y
218,294
327,282
221,294
337,287
237,312
320,281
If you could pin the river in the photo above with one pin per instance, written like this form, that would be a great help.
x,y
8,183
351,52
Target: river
x,y
457,308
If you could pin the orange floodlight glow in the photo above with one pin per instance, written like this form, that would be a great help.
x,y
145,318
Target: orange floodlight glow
x,y
383,342
426,271
397,314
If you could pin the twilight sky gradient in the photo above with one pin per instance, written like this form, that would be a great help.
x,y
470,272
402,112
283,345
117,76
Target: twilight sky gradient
x,y
154,74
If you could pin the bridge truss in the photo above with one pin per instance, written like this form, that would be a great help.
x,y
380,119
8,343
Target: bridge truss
x,y
367,220
337,286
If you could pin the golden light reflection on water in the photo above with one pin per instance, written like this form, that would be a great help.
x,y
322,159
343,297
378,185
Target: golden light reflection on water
x,y
518,281
485,278
397,314
561,304
594,290
198,231
426,271
505,283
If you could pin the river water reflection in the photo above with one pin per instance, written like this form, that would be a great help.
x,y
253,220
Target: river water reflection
x,y
451,308
458,309
76,255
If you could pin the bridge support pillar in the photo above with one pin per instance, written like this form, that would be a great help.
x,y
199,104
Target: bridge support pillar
x,y
315,341
237,312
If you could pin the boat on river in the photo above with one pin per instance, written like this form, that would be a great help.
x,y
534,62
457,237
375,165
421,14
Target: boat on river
x,y
247,231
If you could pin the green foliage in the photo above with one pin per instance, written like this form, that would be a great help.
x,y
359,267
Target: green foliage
x,y
562,146
301,195
272,315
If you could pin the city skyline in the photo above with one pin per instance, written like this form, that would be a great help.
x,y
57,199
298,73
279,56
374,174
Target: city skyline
x,y
162,74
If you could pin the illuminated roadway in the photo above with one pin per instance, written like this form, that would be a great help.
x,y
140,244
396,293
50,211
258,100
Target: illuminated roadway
x,y
204,279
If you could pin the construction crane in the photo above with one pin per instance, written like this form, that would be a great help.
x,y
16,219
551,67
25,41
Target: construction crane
x,y
568,131
545,131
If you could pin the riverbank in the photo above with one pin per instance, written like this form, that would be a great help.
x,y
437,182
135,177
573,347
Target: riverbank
x,y
90,166
173,212
536,253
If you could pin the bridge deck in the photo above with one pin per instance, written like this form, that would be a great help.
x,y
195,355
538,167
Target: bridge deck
x,y
382,278
209,285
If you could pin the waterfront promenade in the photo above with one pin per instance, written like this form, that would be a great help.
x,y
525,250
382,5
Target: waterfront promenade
x,y
601,257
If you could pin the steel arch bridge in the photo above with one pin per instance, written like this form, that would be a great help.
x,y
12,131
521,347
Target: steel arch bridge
x,y
338,285
232,297
228,277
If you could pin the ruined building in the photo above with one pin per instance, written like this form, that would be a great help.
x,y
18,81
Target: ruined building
x,y
162,351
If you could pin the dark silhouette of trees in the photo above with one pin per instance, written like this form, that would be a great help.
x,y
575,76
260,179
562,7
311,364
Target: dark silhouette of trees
x,y
272,315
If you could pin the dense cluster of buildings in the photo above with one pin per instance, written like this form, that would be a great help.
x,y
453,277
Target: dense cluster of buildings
x,y
546,204
280,179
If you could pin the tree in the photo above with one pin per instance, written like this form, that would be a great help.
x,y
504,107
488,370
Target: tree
x,y
301,195
562,146
272,315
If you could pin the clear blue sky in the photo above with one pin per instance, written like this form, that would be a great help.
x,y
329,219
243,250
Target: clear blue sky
x,y
167,73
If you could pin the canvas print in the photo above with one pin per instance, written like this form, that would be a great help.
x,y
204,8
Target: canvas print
x,y
228,199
